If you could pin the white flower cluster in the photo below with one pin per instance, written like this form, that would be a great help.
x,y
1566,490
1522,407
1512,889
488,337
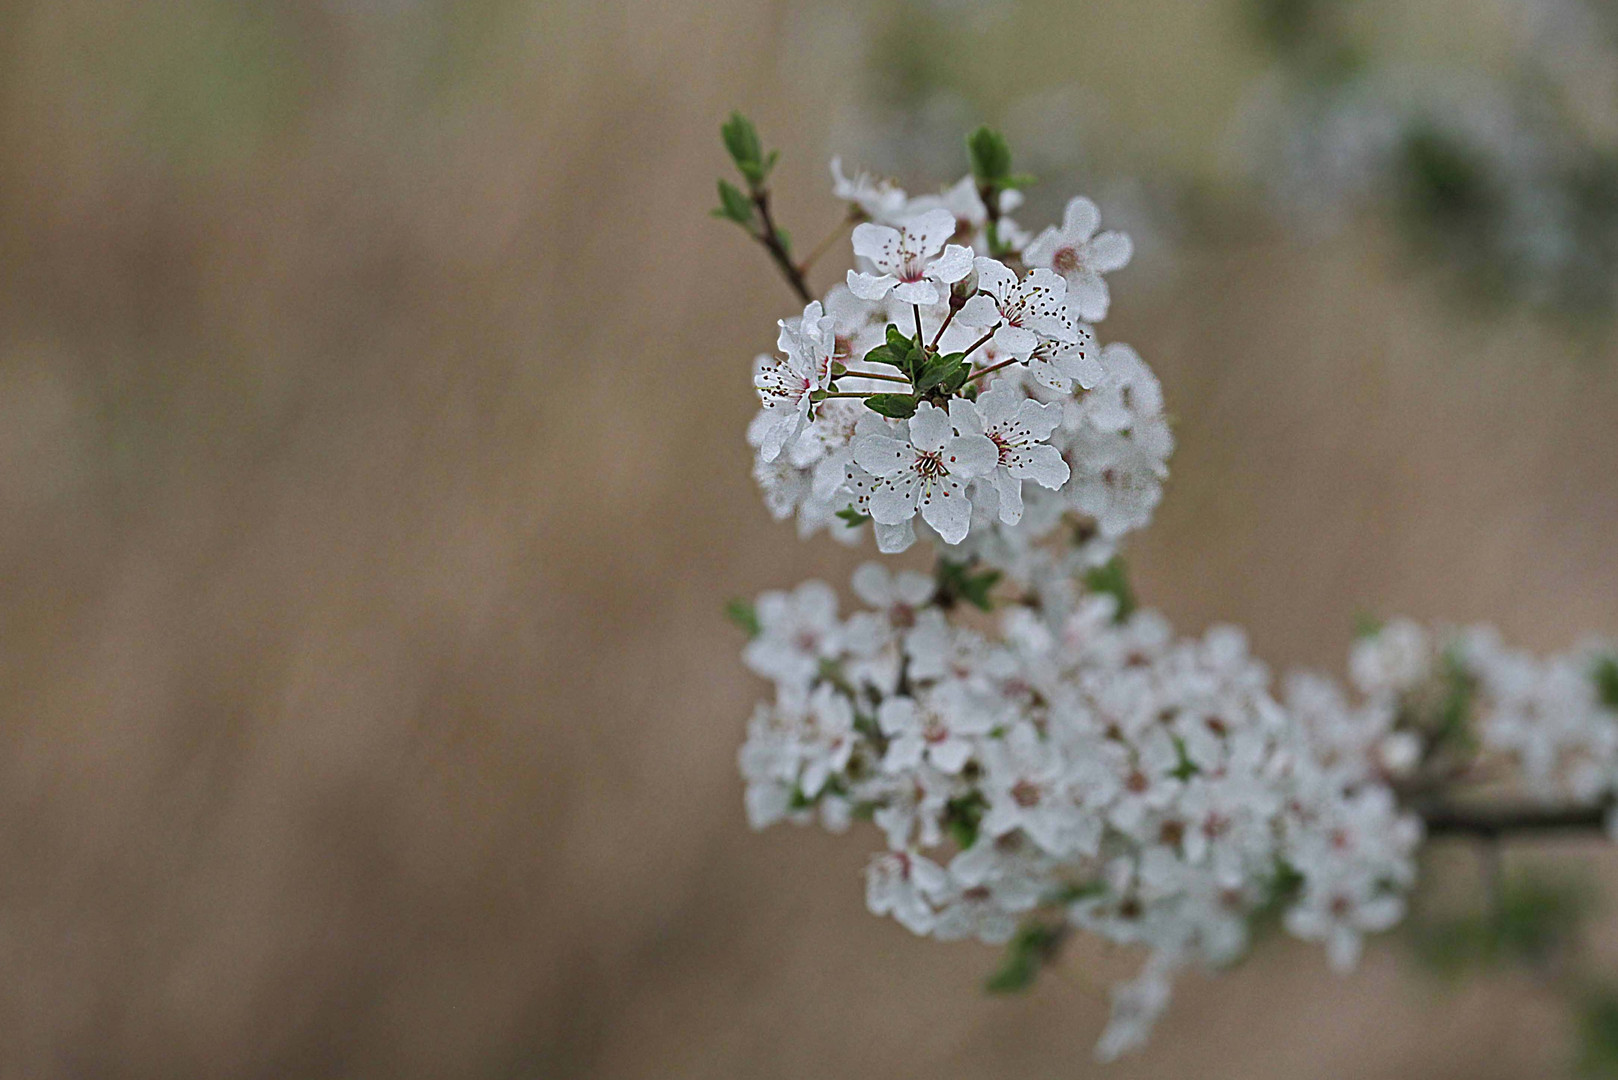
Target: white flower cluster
x,y
1078,767
1096,772
1553,722
1030,395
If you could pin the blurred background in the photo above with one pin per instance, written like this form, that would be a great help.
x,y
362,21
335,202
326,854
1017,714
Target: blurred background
x,y
372,388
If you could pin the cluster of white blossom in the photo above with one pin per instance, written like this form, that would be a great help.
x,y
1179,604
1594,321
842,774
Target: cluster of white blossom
x,y
1094,771
1019,390
1072,764
1552,722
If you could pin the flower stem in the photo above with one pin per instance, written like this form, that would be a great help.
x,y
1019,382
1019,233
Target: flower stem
x,y
851,373
979,374
917,309
933,344
980,342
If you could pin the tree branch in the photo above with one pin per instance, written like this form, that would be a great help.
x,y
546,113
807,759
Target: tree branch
x,y
770,237
1492,822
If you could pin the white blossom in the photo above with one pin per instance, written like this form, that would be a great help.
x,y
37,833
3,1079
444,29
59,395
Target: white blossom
x,y
925,472
1081,256
908,260
785,384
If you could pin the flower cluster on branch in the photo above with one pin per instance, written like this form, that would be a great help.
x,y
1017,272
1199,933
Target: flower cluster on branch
x,y
1066,762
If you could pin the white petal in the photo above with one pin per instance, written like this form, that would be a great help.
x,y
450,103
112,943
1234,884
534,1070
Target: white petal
x,y
872,584
953,265
997,404
882,456
923,292
870,286
929,429
1110,251
994,276
929,232
1009,489
965,416
1080,219
1039,420
878,243
947,509
894,500
951,755
1042,248
979,310
1088,293
892,539
1042,464
782,428
971,455
1016,341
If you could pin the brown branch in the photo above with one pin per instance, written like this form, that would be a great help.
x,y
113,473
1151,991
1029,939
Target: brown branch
x,y
770,237
1492,822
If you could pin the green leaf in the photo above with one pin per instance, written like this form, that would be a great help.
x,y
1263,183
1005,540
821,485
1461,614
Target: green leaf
x,y
956,582
884,355
1112,579
1035,945
1598,1035
898,406
733,205
938,371
741,139
991,157
852,517
1367,625
1606,678
1020,180
962,816
742,614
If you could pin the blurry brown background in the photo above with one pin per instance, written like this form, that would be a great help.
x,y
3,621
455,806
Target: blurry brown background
x,y
372,384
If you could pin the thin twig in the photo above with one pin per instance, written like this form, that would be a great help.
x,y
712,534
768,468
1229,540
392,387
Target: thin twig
x,y
825,245
851,373
980,342
979,374
770,237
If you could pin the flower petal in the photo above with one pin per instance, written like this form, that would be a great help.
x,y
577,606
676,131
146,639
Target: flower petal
x,y
1080,219
930,429
971,455
947,509
870,286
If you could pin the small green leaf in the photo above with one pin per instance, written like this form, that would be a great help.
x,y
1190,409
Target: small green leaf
x,y
938,371
898,406
741,139
733,205
742,614
991,157
1606,677
884,355
838,369
962,816
956,582
852,517
1035,945
1367,625
1112,579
